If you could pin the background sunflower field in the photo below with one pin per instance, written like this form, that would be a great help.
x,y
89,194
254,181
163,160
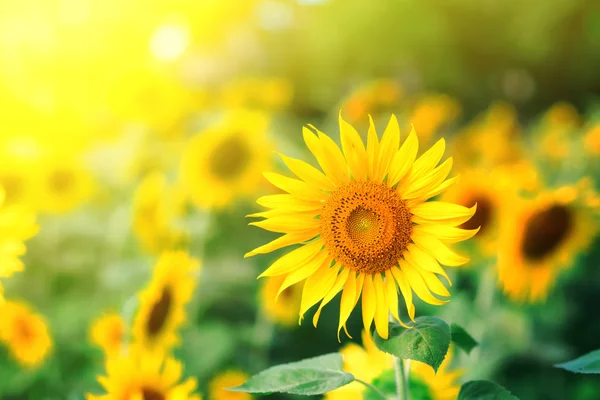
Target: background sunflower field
x,y
133,140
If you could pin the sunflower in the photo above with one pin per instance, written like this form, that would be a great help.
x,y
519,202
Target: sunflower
x,y
64,184
540,237
162,303
17,224
269,94
433,112
366,363
591,141
282,309
25,333
381,94
226,160
144,376
559,127
440,385
108,333
365,226
217,388
155,207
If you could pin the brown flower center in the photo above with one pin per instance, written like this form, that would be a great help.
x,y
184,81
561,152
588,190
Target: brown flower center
x,y
366,226
152,394
159,312
483,215
61,180
230,158
545,231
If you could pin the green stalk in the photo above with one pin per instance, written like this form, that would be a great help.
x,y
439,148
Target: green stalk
x,y
373,388
401,381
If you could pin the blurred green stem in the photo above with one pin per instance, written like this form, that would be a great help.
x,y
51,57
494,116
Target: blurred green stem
x,y
401,381
263,333
373,388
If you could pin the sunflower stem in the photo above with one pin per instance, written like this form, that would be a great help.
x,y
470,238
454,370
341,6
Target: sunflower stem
x,y
373,388
401,381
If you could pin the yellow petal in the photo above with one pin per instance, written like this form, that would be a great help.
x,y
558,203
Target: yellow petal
x,y
294,259
308,173
424,261
354,149
340,281
283,241
442,213
369,302
296,187
433,192
391,289
288,202
347,301
288,224
282,212
404,158
417,283
372,148
390,142
303,272
428,160
405,290
446,233
429,181
329,166
433,283
434,247
382,309
318,285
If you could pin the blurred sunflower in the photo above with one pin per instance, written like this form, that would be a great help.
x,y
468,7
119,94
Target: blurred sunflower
x,y
431,113
25,333
540,237
162,303
376,96
226,160
282,308
217,387
269,94
145,376
16,177
17,224
365,224
155,206
108,333
440,385
591,141
64,184
366,363
558,128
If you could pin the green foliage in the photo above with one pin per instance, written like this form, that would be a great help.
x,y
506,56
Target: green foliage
x,y
586,364
462,338
386,383
427,341
312,376
484,390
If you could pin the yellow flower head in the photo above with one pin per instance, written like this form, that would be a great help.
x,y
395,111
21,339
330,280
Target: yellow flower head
x,y
25,333
108,333
441,385
365,363
17,224
378,95
365,226
540,237
282,308
155,207
432,112
226,160
162,303
592,141
217,388
145,376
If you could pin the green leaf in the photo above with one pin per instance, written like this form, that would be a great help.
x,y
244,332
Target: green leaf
x,y
484,390
586,364
312,376
462,338
427,341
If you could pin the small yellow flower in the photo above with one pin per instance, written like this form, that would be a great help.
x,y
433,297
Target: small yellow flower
x,y
25,333
375,96
226,161
540,237
366,363
431,113
145,376
108,333
592,141
365,226
282,309
217,388
162,303
155,207
17,224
